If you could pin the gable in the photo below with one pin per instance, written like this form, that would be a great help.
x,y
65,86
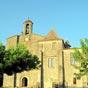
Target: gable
x,y
51,36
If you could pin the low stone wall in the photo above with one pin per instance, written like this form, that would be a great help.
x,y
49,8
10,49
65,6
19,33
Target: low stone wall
x,y
16,87
33,86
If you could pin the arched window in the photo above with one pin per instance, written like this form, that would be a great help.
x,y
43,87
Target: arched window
x,y
24,82
27,28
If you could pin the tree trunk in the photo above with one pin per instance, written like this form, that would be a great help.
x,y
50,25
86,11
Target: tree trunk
x,y
14,79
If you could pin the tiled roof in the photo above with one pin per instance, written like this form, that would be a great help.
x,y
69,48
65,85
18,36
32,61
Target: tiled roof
x,y
51,36
28,21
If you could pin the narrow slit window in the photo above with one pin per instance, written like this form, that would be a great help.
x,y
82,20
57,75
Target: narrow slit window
x,y
74,80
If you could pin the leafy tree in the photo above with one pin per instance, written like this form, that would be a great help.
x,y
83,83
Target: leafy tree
x,y
2,53
19,59
81,56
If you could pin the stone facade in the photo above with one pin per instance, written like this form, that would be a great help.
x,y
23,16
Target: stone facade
x,y
54,53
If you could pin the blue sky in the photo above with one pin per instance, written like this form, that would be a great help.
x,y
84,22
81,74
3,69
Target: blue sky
x,y
69,18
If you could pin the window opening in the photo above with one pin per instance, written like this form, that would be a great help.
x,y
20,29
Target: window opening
x,y
74,80
24,82
51,62
72,60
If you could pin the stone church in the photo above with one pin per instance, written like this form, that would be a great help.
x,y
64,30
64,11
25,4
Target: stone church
x,y
57,61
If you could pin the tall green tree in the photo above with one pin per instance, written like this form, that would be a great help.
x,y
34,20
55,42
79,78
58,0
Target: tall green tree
x,y
81,56
2,53
19,59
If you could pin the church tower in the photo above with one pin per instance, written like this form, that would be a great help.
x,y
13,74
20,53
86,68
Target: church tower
x,y
28,27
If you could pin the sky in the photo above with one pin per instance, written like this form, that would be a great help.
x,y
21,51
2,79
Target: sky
x,y
69,18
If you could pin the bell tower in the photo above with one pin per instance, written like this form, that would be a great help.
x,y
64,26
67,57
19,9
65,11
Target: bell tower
x,y
28,27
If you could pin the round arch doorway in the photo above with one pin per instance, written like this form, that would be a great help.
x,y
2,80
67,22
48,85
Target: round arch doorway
x,y
24,82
